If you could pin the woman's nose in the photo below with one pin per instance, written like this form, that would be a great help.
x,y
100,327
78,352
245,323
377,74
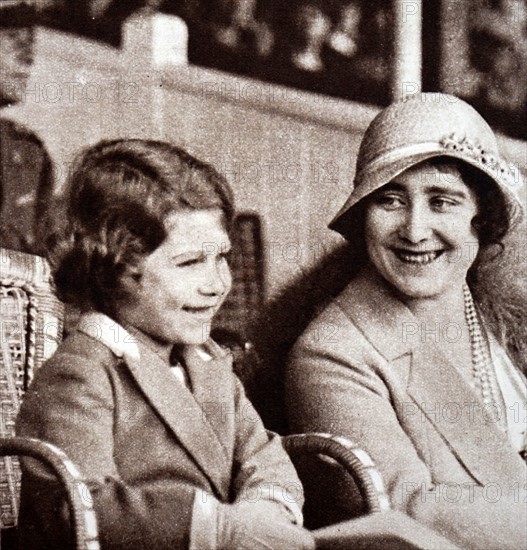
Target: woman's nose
x,y
416,227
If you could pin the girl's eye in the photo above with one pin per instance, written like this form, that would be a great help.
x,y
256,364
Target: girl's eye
x,y
190,262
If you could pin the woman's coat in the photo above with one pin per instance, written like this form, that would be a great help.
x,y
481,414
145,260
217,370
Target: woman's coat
x,y
367,370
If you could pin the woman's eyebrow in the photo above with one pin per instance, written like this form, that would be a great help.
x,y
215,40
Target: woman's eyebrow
x,y
437,189
392,186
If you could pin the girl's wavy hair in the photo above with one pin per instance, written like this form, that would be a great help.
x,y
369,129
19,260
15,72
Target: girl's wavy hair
x,y
119,194
493,277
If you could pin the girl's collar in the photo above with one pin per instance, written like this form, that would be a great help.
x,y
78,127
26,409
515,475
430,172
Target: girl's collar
x,y
126,341
109,333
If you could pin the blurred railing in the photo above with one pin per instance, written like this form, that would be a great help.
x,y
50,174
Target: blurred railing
x,y
289,154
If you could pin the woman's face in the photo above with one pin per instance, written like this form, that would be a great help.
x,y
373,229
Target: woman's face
x,y
184,281
419,233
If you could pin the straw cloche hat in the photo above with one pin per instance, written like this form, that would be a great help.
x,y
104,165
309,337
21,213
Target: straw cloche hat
x,y
421,127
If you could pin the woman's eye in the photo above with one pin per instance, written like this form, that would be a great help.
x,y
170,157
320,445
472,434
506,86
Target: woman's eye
x,y
389,201
442,203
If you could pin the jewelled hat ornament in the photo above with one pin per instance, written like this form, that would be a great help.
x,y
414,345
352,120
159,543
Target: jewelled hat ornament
x,y
422,127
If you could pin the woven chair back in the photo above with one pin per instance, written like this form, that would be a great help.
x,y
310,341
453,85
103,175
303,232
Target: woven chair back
x,y
244,303
30,330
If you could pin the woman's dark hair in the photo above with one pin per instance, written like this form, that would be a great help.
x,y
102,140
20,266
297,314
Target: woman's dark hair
x,y
493,220
119,195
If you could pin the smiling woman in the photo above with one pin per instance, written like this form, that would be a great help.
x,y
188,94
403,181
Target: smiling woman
x,y
138,394
417,228
428,361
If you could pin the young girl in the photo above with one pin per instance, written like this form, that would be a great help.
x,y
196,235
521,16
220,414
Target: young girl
x,y
138,395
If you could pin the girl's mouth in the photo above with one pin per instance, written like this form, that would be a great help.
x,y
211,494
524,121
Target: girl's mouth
x,y
200,311
417,258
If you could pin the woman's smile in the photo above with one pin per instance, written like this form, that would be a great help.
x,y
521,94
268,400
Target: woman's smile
x,y
421,257
417,231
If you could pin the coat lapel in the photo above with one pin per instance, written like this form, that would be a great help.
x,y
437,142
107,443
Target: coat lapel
x,y
209,368
458,414
390,327
184,416
174,403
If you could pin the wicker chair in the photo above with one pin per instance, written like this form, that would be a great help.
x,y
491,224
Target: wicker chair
x,y
245,300
325,461
31,328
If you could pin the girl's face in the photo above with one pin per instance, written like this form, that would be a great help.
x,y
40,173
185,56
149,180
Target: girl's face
x,y
419,233
183,282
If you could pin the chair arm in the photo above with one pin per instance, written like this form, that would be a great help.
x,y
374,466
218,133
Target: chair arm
x,y
78,494
355,461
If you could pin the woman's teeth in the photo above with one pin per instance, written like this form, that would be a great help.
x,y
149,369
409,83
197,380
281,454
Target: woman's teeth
x,y
417,257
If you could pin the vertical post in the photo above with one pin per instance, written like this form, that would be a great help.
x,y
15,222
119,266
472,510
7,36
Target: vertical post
x,y
456,76
155,39
408,22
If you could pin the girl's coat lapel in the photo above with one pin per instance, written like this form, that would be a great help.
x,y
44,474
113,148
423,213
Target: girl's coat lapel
x,y
184,413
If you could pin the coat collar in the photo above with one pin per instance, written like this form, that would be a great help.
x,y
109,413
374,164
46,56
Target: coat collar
x,y
445,397
383,319
185,413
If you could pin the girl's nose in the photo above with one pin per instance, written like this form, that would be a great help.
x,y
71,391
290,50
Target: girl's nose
x,y
217,280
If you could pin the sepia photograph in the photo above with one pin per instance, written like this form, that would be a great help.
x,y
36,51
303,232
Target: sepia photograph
x,y
263,274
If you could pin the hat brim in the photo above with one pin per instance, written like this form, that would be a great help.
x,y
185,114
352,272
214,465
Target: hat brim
x,y
383,171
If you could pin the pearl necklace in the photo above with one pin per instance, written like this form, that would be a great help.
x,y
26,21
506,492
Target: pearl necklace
x,y
483,373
